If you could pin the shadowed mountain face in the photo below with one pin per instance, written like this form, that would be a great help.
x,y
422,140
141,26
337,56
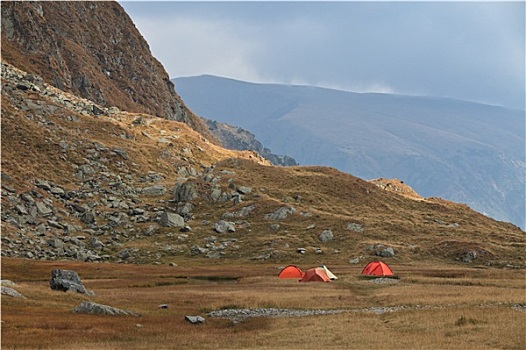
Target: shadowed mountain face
x,y
465,152
93,50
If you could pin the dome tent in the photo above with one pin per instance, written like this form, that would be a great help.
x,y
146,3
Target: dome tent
x,y
377,268
315,275
291,271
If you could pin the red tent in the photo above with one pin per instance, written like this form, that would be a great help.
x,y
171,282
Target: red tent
x,y
291,271
315,275
377,268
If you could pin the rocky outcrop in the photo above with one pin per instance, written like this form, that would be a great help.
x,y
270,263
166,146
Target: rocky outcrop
x,y
93,50
87,307
237,138
67,280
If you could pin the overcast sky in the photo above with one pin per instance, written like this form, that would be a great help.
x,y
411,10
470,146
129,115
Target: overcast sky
x,y
467,50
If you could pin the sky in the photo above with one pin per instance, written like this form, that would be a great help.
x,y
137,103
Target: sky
x,y
473,51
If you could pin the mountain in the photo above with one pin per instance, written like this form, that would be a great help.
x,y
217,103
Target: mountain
x,y
93,50
462,151
83,180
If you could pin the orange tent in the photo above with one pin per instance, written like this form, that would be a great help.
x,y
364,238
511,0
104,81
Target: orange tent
x,y
315,275
377,268
291,271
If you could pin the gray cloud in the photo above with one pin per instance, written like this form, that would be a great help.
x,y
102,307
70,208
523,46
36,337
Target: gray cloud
x,y
468,50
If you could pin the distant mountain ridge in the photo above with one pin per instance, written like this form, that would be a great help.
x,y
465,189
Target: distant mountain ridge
x,y
466,152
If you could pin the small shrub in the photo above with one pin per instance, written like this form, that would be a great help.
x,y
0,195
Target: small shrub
x,y
463,320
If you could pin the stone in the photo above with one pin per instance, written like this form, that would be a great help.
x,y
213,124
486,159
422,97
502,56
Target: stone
x,y
57,191
326,236
88,307
11,292
7,283
281,213
244,190
195,319
184,192
355,227
155,190
95,243
171,220
121,152
67,280
216,194
88,218
43,184
301,250
386,253
55,243
225,226
124,254
164,306
43,210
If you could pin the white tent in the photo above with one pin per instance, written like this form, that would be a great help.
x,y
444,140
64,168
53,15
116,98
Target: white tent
x,y
328,272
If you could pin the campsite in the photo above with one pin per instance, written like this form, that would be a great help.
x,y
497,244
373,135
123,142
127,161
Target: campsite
x,y
428,306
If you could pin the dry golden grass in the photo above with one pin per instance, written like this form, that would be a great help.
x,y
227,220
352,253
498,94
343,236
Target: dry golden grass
x,y
446,307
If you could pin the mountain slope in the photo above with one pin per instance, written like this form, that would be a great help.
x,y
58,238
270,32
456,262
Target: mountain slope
x,y
465,152
93,50
90,182
128,187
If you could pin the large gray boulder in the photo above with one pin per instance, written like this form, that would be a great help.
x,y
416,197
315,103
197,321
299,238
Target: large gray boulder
x,y
184,192
171,219
326,236
67,280
88,307
225,226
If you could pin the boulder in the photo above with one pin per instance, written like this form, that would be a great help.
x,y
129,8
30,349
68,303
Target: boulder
x,y
184,192
280,213
225,226
326,236
67,280
355,227
386,252
244,190
11,292
171,220
88,307
195,319
155,190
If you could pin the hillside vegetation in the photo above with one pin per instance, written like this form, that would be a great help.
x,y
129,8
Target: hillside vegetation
x,y
465,152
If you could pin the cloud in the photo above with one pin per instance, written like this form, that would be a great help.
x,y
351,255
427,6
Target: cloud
x,y
194,46
464,50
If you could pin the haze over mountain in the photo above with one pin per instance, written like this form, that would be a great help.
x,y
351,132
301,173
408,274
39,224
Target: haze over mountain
x,y
462,151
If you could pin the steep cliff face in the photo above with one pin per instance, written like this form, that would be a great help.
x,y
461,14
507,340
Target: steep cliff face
x,y
93,50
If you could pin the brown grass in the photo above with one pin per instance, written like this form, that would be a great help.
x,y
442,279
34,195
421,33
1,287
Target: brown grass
x,y
446,307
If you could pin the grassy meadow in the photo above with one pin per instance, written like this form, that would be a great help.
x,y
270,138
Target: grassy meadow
x,y
430,307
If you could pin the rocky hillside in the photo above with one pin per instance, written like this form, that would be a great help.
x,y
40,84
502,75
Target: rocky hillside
x,y
93,50
84,182
466,152
237,138
87,181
